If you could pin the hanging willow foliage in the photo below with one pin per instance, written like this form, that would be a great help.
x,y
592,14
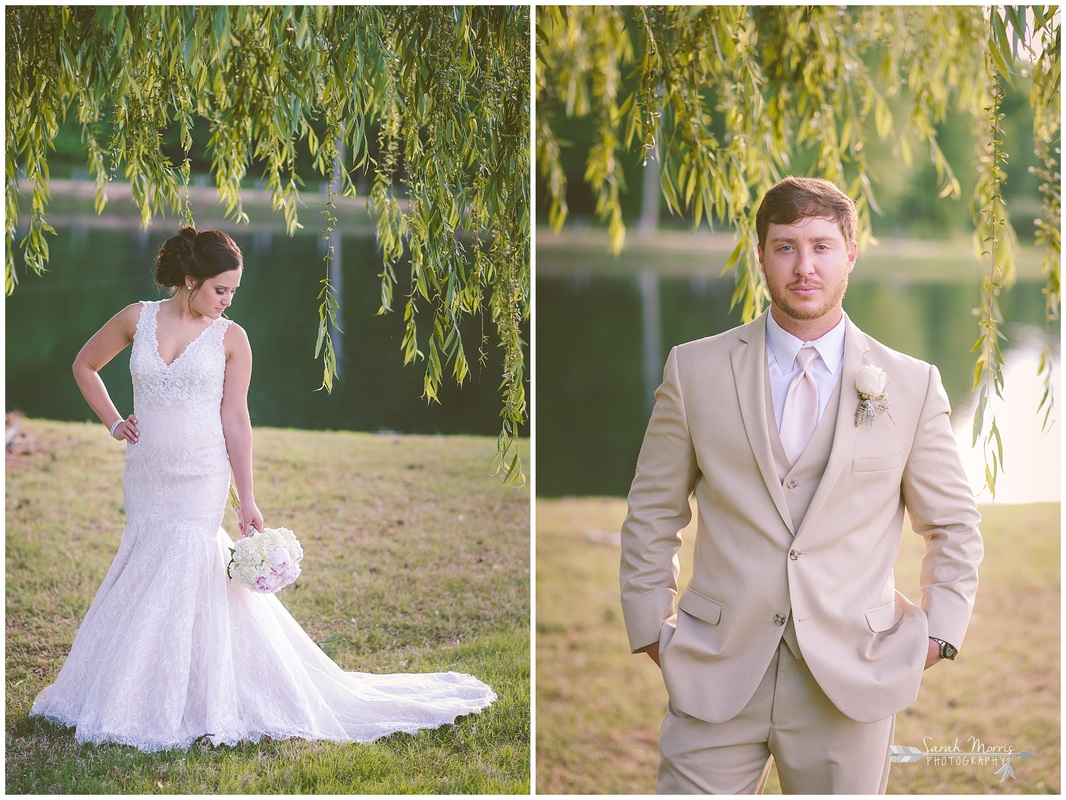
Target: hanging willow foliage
x,y
818,79
444,89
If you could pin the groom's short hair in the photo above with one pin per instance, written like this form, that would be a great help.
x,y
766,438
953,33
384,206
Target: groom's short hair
x,y
795,198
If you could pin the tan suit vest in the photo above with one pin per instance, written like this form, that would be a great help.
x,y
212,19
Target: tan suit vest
x,y
801,480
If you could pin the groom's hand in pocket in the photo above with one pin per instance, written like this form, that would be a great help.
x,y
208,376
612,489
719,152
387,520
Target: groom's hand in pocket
x,y
653,652
932,654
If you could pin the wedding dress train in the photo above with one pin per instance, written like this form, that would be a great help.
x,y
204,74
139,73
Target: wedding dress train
x,y
172,651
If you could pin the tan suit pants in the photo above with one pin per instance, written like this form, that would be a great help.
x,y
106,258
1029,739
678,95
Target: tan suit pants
x,y
789,719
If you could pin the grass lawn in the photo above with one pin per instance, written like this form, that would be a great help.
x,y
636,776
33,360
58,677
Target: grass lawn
x,y
599,708
416,560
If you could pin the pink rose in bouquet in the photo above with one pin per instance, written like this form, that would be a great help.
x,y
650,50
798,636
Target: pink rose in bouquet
x,y
266,561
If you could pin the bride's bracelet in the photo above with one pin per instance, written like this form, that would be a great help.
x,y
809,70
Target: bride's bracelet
x,y
117,422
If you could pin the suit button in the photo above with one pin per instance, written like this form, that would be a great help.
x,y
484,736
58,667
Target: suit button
x,y
794,555
792,484
779,620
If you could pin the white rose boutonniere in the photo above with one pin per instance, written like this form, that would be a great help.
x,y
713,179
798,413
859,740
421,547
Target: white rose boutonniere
x,y
870,384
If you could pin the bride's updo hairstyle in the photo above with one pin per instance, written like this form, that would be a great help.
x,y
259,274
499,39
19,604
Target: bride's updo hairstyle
x,y
194,254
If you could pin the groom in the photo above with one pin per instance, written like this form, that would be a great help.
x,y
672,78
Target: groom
x,y
803,441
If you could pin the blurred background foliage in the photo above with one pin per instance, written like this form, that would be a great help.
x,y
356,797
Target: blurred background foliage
x,y
907,194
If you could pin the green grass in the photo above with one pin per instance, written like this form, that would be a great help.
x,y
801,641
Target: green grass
x,y
599,708
416,560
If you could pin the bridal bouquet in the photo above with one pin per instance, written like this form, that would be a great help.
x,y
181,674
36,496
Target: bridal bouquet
x,y
266,561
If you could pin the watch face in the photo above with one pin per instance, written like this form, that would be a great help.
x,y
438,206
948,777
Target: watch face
x,y
948,651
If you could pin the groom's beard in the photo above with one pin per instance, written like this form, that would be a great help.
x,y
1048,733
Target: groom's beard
x,y
832,296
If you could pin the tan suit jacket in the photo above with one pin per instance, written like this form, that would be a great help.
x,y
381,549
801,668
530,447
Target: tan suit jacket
x,y
864,642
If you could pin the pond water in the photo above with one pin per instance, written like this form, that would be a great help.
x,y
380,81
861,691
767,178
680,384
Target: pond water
x,y
602,342
96,270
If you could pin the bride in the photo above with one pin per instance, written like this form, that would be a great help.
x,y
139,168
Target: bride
x,y
171,651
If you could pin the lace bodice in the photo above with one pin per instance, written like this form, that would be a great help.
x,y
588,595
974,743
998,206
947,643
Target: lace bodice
x,y
179,467
191,385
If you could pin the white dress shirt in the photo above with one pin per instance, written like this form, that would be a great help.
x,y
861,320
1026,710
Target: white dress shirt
x,y
781,350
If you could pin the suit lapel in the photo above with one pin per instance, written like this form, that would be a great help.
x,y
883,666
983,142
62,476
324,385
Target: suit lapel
x,y
749,374
855,349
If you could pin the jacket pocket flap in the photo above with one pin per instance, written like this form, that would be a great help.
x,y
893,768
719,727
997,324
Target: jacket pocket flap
x,y
876,464
883,617
700,607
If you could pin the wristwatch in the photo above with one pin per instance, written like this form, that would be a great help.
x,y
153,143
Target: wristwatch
x,y
947,650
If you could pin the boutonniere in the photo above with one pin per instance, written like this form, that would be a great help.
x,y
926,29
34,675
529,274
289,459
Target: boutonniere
x,y
870,384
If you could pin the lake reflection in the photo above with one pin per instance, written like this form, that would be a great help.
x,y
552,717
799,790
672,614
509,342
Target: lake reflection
x,y
94,272
596,376
1031,449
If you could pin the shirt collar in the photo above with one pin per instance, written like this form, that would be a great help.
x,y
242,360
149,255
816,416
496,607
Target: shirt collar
x,y
783,346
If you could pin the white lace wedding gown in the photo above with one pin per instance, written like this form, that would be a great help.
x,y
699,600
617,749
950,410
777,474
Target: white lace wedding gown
x,y
171,650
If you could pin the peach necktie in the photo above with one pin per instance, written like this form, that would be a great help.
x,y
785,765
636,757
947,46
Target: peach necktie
x,y
800,416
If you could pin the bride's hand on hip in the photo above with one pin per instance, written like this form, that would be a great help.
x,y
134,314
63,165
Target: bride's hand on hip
x,y
126,430
249,517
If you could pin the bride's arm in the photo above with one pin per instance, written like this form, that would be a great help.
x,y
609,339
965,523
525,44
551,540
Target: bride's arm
x,y
237,425
105,344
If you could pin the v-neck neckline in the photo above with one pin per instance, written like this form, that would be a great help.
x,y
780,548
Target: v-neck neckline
x,y
181,355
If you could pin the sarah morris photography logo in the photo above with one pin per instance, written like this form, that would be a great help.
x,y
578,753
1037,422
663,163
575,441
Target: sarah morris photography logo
x,y
970,753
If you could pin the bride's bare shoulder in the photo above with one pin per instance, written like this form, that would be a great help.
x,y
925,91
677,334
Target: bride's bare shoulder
x,y
128,318
236,340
